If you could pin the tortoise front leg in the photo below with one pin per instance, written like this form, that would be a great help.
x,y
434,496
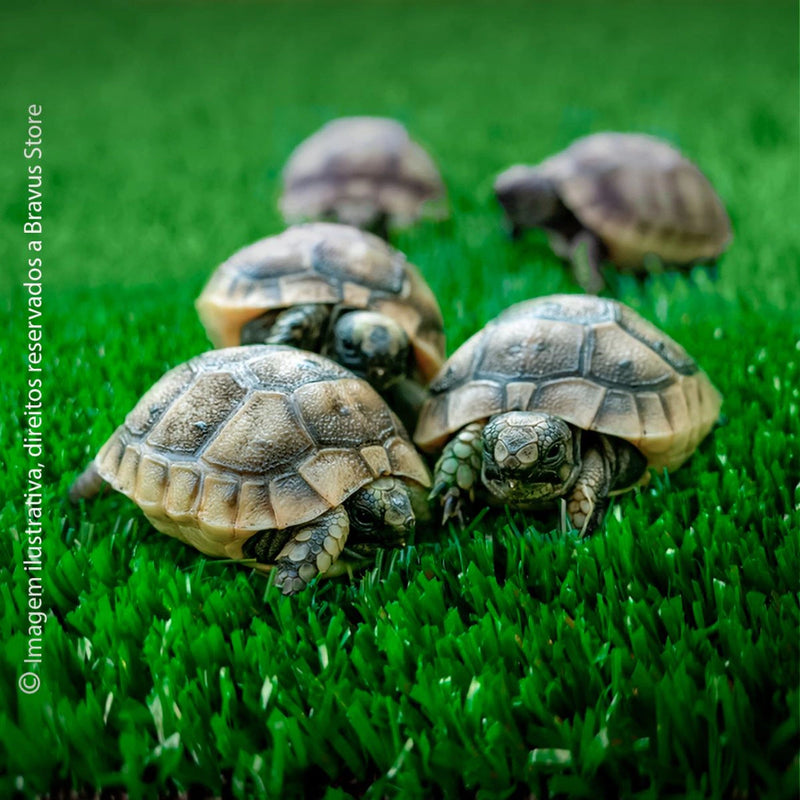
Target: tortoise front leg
x,y
457,471
311,550
585,252
588,501
299,326
607,466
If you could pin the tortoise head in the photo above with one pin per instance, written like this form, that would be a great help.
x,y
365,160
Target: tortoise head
x,y
381,515
528,457
528,197
373,346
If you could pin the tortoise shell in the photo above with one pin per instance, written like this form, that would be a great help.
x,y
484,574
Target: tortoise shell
x,y
253,438
323,263
358,169
595,363
641,197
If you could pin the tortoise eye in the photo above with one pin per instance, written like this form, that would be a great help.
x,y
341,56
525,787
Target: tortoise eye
x,y
554,453
362,517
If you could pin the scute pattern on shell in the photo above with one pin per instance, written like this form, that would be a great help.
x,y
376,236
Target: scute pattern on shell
x,y
641,196
357,168
253,438
325,263
593,362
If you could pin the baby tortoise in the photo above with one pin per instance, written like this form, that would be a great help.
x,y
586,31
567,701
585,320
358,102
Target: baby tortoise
x,y
335,290
627,197
362,171
567,396
267,453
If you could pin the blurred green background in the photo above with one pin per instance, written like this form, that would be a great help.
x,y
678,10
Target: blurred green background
x,y
658,660
167,124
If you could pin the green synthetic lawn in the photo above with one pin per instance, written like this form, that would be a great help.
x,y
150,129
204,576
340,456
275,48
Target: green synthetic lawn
x,y
659,659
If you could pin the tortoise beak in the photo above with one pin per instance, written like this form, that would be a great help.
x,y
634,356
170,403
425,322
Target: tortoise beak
x,y
406,529
403,531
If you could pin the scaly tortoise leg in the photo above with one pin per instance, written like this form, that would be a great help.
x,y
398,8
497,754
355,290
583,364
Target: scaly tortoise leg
x,y
299,326
588,501
311,550
585,252
299,554
458,470
606,467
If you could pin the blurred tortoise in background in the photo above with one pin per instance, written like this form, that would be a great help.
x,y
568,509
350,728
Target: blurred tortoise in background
x,y
627,197
362,171
267,453
335,290
567,396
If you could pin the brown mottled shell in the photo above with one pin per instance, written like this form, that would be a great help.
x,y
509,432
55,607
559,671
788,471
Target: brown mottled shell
x,y
641,197
590,361
324,263
357,169
253,438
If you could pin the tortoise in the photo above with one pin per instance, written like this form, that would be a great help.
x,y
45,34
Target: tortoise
x,y
336,290
363,171
566,396
628,197
267,453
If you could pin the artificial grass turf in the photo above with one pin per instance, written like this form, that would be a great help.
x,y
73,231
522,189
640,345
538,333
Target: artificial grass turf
x,y
658,659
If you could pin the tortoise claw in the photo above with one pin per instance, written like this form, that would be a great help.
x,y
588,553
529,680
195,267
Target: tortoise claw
x,y
453,507
288,578
438,490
